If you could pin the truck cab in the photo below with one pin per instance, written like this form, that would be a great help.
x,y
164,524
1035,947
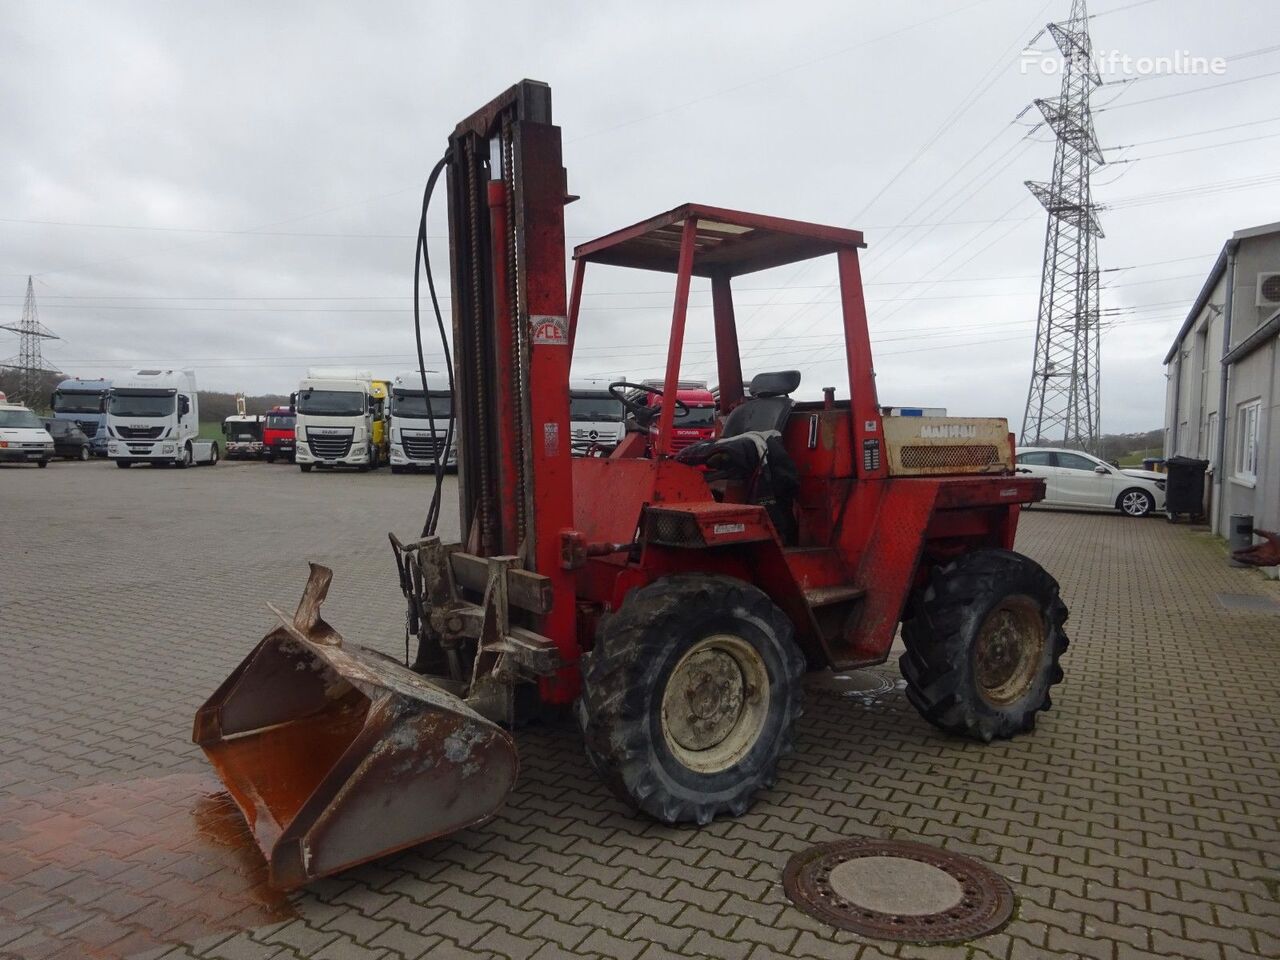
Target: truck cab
x,y
341,420
420,422
153,416
596,418
84,402
694,419
243,435
277,434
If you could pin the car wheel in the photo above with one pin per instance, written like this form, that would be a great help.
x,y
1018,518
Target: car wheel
x,y
42,464
1135,503
84,454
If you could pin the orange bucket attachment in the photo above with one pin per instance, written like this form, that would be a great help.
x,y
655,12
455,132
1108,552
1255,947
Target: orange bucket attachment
x,y
337,754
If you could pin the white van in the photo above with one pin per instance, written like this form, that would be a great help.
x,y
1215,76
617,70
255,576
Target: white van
x,y
23,438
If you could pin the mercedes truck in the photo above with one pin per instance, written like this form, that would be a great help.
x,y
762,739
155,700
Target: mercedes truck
x,y
420,422
84,402
341,420
596,418
153,417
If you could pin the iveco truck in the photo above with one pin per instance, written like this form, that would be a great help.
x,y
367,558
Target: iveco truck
x,y
420,422
596,418
84,402
153,417
341,420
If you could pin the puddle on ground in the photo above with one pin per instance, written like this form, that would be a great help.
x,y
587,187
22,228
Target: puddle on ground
x,y
867,687
115,869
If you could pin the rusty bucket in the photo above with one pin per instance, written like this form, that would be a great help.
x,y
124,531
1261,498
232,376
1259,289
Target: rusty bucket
x,y
337,755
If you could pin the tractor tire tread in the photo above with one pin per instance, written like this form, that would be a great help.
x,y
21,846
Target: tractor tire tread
x,y
939,636
616,727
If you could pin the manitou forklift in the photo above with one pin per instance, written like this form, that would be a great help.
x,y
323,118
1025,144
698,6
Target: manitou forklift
x,y
674,602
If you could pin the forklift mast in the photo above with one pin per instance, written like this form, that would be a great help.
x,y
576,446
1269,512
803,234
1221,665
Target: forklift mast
x,y
507,192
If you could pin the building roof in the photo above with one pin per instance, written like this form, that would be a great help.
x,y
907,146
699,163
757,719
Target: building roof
x,y
1211,281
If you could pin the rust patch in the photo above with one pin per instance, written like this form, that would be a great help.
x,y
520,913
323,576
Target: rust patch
x,y
111,870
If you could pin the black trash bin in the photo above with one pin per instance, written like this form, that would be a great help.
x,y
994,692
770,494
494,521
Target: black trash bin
x,y
1184,488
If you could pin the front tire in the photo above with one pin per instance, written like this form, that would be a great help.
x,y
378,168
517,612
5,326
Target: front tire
x,y
83,456
690,697
984,645
304,467
123,464
1135,503
188,458
42,464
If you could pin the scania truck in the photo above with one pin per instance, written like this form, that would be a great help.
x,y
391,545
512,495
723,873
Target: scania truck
x,y
596,418
341,420
153,417
419,430
84,403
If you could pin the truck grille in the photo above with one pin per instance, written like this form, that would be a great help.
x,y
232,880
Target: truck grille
x,y
88,427
423,448
966,455
329,448
139,433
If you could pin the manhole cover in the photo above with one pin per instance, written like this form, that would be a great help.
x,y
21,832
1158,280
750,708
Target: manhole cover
x,y
898,890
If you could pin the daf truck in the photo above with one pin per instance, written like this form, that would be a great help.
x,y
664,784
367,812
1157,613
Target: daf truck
x,y
596,418
153,416
420,422
84,403
341,420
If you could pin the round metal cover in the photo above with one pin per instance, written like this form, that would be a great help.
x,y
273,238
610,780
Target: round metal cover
x,y
898,890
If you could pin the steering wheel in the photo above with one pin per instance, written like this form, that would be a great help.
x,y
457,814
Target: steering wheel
x,y
644,413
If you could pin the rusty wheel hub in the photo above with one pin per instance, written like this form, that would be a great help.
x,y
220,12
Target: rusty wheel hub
x,y
898,890
1009,648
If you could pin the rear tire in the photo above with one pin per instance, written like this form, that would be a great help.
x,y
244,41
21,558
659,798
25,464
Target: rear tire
x,y
690,697
984,645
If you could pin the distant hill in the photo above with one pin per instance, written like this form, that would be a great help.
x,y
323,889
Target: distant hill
x,y
216,407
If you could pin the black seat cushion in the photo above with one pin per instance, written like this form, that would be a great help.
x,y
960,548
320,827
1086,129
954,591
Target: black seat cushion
x,y
768,406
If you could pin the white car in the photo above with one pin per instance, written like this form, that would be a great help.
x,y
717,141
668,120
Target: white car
x,y
1076,479
23,438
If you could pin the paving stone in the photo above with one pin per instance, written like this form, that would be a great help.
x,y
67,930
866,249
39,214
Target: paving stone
x,y
1137,820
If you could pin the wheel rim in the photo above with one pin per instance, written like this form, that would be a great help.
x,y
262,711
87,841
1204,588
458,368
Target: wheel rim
x,y
1134,503
1009,648
715,703
84,453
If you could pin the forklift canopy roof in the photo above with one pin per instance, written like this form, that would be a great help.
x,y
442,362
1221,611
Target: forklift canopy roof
x,y
729,242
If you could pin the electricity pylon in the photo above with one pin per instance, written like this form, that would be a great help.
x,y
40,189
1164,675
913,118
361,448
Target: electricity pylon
x,y
29,364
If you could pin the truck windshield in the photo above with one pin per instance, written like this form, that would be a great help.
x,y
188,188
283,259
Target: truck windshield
x,y
331,403
141,404
280,421
405,404
242,431
19,419
594,407
696,417
66,401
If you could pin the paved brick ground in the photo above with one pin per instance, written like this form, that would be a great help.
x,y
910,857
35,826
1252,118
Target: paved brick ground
x,y
1140,819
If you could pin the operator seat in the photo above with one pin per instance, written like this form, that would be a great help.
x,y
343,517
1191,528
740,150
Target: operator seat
x,y
750,450
768,406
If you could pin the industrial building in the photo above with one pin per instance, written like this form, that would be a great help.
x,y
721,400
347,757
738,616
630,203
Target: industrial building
x,y
1224,380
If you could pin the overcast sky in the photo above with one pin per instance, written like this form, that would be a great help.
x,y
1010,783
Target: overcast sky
x,y
234,186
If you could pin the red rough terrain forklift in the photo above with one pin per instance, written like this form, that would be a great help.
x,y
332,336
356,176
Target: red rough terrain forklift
x,y
675,601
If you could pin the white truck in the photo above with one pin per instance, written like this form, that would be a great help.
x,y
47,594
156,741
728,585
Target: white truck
x,y
341,420
153,417
596,419
419,430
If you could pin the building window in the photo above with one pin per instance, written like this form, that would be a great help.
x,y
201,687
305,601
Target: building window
x,y
1247,415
